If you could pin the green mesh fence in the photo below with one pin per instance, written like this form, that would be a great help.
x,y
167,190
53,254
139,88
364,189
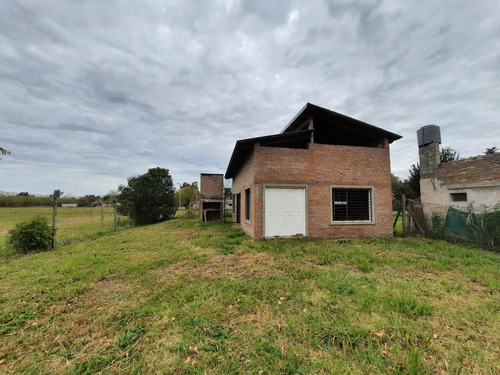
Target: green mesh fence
x,y
481,229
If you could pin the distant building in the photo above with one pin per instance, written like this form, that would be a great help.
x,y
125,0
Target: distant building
x,y
69,205
211,197
462,184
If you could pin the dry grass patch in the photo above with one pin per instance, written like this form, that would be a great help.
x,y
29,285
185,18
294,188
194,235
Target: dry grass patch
x,y
234,266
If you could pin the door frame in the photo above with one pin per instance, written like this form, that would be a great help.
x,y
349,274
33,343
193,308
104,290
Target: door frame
x,y
286,186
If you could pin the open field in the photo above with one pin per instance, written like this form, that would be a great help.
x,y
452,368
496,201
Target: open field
x,y
74,224
184,298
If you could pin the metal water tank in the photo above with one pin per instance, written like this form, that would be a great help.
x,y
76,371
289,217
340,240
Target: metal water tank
x,y
428,134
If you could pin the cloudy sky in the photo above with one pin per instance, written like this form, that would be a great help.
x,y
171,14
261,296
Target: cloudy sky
x,y
93,92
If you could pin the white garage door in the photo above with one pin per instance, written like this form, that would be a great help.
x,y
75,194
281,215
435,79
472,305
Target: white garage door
x,y
285,211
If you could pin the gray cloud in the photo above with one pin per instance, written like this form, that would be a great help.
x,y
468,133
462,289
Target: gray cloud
x,y
93,93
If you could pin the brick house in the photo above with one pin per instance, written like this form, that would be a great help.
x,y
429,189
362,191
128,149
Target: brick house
x,y
211,197
462,184
326,175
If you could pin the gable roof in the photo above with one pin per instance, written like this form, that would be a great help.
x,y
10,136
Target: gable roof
x,y
329,127
335,119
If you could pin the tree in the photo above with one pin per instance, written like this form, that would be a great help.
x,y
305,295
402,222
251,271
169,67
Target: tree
x,y
111,197
448,154
414,182
87,200
193,184
399,187
187,194
148,198
4,152
491,151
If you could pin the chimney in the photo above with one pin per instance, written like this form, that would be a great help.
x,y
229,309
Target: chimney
x,y
429,139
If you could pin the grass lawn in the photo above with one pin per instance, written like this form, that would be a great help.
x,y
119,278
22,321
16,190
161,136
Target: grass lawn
x,y
184,298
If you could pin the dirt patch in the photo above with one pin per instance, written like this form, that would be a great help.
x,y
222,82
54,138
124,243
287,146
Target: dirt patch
x,y
109,289
175,224
216,266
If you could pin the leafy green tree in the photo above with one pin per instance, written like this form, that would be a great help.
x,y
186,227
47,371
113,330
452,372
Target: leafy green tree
x,y
111,197
193,184
187,194
399,187
87,200
148,198
4,152
448,154
491,151
413,182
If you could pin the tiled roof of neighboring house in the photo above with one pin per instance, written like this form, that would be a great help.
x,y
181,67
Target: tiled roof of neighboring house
x,y
478,170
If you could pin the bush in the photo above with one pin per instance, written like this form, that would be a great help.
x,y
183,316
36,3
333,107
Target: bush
x,y
31,235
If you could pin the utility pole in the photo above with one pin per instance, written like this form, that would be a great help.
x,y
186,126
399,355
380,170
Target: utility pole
x,y
180,196
56,195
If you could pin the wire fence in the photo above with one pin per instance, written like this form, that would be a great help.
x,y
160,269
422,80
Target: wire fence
x,y
471,224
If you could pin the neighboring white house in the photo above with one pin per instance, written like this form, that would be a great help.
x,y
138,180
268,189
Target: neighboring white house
x,y
472,183
68,205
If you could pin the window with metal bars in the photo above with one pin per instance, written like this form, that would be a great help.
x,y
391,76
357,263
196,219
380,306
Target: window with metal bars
x,y
352,204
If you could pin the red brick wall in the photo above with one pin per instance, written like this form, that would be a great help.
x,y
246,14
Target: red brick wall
x,y
243,181
211,186
321,167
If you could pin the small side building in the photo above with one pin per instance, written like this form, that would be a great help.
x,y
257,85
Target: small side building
x,y
472,183
326,175
211,197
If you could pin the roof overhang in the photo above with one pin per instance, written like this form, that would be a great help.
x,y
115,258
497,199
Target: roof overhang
x,y
244,147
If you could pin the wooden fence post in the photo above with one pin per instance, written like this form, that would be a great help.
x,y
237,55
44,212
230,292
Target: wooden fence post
x,y
114,215
54,214
403,213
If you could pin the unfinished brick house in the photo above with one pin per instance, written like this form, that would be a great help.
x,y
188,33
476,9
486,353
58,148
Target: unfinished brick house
x,y
211,197
325,175
466,183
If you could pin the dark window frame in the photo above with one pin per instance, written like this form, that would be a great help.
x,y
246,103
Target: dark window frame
x,y
247,204
352,204
458,197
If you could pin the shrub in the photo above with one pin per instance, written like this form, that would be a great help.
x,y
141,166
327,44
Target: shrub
x,y
31,235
